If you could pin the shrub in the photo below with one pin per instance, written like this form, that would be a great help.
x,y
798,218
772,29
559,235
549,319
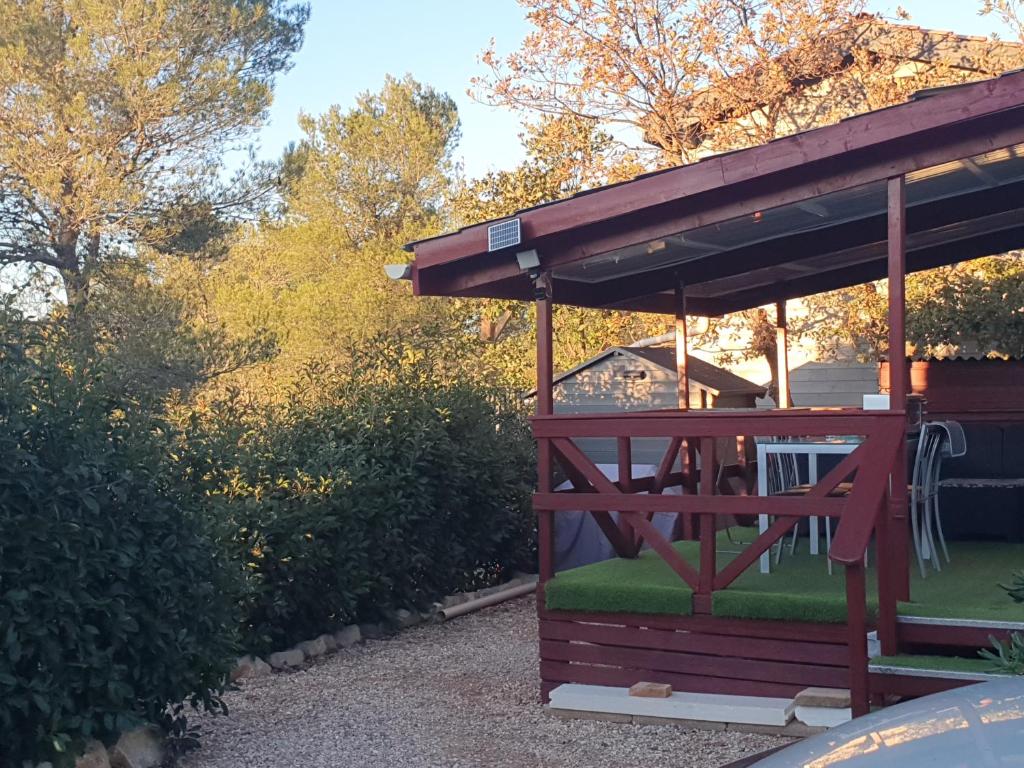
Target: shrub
x,y
1015,589
1007,658
383,487
114,604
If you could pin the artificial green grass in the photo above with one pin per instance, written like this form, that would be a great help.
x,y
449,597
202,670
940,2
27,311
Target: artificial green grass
x,y
938,664
787,606
644,585
968,587
798,589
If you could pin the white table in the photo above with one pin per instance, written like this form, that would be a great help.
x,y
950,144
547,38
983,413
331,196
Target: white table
x,y
810,448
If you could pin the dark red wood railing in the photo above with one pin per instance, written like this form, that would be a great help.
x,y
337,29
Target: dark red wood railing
x,y
867,468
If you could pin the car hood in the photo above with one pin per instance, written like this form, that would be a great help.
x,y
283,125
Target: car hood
x,y
976,727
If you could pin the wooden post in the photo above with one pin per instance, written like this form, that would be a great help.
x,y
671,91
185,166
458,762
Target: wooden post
x,y
887,576
897,529
856,609
545,407
625,456
707,532
683,382
782,354
688,451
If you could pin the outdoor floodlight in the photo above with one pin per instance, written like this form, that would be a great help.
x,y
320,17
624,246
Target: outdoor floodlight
x,y
528,261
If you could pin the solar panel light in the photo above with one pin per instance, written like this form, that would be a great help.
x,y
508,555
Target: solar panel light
x,y
398,271
504,234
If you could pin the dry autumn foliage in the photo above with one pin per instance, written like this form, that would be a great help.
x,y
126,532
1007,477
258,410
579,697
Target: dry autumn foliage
x,y
663,69
689,78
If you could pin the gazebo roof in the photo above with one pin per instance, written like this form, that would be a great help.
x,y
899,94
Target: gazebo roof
x,y
799,215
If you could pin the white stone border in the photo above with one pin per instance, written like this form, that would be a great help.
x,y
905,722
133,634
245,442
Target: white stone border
x,y
250,665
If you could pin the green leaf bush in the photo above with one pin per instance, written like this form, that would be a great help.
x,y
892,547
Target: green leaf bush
x,y
142,548
1008,658
384,486
116,606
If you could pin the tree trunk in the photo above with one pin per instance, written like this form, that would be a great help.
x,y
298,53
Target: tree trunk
x,y
76,285
76,291
773,367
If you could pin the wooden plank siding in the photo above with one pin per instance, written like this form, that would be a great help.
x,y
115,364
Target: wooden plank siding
x,y
832,384
699,654
966,389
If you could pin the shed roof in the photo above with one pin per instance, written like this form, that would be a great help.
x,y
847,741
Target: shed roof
x,y
717,380
799,215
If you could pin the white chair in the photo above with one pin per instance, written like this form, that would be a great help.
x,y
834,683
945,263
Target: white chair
x,y
782,473
936,441
953,444
783,478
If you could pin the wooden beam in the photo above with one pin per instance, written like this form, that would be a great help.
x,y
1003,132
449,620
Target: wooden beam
x,y
652,291
897,273
582,241
682,378
545,407
782,354
710,423
920,259
856,609
945,127
708,526
687,455
898,526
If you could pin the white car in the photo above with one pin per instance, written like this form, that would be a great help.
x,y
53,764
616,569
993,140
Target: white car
x,y
978,726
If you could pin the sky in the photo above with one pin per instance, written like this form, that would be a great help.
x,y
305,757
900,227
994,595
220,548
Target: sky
x,y
351,45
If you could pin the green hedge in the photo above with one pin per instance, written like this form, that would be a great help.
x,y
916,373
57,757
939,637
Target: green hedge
x,y
114,602
376,489
139,553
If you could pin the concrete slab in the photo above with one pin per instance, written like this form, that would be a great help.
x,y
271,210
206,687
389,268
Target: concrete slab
x,y
823,717
749,710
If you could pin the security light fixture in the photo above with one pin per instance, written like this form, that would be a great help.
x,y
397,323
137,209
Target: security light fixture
x,y
528,261
398,271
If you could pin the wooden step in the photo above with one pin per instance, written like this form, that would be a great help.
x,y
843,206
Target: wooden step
x,y
919,675
966,633
943,667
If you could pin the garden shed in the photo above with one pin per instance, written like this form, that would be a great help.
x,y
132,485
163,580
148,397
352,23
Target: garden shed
x,y
643,377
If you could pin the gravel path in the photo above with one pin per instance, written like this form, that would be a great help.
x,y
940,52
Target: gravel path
x,y
461,694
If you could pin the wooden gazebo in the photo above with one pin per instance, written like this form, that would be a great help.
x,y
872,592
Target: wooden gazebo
x,y
930,182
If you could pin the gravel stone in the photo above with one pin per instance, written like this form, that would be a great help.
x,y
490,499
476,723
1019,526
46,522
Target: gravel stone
x,y
373,631
313,648
406,619
461,694
347,637
141,748
432,615
285,659
249,666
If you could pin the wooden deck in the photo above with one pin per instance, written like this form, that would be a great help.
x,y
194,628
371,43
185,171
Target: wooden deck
x,y
722,653
753,652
